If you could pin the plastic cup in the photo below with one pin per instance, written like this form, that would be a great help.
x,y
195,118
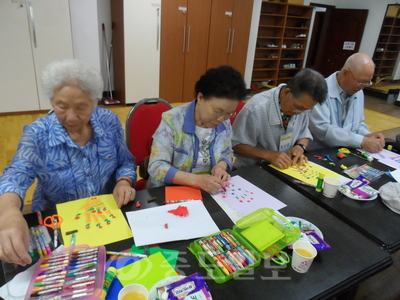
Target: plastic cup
x,y
133,291
331,186
303,255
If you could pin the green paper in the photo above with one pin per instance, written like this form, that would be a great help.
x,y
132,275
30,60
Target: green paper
x,y
262,235
170,255
147,271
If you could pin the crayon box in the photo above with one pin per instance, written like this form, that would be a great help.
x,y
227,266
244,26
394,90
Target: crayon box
x,y
75,273
231,252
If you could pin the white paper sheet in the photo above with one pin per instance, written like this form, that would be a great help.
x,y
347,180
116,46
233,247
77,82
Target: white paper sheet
x,y
148,225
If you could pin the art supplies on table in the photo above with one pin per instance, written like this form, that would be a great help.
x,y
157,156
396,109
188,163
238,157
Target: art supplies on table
x,y
179,194
74,273
365,171
309,172
229,253
158,225
95,221
190,287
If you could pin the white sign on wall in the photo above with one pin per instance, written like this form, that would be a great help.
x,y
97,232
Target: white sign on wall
x,y
349,45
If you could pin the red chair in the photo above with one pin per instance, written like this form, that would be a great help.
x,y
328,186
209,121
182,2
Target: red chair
x,y
237,110
141,123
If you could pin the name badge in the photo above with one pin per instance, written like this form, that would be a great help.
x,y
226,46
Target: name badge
x,y
285,142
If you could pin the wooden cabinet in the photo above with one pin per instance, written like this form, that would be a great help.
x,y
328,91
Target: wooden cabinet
x,y
33,34
197,35
229,33
184,43
281,43
387,47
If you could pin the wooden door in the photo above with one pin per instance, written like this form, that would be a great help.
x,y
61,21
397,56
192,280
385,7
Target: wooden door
x,y
197,35
339,26
241,21
221,35
172,56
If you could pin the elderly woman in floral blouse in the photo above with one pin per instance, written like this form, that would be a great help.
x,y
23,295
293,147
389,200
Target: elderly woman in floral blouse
x,y
75,152
192,145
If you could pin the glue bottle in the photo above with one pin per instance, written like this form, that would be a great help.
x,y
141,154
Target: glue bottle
x,y
108,279
320,181
367,156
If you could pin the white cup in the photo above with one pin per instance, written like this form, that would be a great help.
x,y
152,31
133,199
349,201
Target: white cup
x,y
331,186
133,288
303,255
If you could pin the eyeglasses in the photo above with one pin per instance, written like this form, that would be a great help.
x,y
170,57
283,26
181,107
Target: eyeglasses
x,y
222,114
361,83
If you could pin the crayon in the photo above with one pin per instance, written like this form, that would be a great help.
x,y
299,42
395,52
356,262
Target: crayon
x,y
233,238
77,273
248,258
53,290
39,216
229,239
237,261
220,265
224,264
202,244
232,261
35,238
228,262
305,183
129,254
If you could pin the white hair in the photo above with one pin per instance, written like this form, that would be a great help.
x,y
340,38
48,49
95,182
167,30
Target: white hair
x,y
65,72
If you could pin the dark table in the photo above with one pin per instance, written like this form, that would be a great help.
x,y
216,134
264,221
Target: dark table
x,y
372,218
352,259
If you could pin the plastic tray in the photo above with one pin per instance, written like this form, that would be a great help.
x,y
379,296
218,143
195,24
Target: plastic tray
x,y
62,266
263,232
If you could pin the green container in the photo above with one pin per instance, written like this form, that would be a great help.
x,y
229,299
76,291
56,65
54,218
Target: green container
x,y
264,233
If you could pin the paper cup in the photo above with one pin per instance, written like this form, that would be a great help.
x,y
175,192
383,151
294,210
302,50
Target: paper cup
x,y
303,255
132,290
331,186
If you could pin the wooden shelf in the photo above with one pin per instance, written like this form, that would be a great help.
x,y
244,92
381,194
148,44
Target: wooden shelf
x,y
387,46
279,24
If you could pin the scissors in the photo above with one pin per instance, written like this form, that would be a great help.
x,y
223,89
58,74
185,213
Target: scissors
x,y
279,259
54,222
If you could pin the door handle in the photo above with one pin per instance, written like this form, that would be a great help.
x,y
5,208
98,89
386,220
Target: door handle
x,y
229,39
184,39
232,39
188,40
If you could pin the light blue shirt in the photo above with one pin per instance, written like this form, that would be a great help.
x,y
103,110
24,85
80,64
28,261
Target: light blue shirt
x,y
64,170
331,125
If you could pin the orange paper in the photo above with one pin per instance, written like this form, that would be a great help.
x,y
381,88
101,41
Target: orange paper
x,y
176,194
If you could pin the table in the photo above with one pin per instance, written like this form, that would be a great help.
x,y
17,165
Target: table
x,y
372,218
352,259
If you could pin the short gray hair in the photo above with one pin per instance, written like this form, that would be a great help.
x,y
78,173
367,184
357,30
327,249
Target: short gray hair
x,y
309,82
65,72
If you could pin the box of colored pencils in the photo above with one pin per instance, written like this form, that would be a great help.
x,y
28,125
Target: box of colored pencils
x,y
229,253
74,273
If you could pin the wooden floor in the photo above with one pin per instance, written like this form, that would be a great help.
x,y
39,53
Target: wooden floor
x,y
380,117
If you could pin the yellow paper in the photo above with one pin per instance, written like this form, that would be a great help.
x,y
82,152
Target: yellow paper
x,y
98,220
147,271
308,173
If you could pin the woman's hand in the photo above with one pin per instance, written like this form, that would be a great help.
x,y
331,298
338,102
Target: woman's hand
x,y
209,183
14,232
219,171
124,193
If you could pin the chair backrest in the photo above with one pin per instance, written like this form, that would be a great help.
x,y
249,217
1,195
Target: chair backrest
x,y
237,110
141,123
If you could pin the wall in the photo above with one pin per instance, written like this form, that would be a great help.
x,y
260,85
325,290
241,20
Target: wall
x,y
376,13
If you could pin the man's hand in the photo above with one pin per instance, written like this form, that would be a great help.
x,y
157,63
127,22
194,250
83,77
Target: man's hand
x,y
280,159
373,142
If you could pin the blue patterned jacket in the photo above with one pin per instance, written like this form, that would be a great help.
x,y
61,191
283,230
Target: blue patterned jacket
x,y
64,170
